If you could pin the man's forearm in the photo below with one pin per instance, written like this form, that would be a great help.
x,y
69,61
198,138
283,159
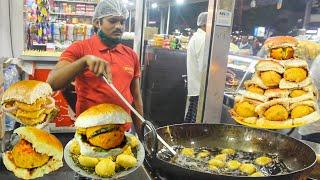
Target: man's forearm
x,y
137,102
60,77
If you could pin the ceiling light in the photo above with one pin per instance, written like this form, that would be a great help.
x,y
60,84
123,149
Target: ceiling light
x,y
154,5
180,1
253,3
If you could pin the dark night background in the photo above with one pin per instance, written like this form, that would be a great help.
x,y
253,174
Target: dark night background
x,y
246,18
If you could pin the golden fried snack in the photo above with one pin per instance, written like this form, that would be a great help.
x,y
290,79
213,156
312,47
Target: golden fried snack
x,y
301,111
270,78
75,148
87,161
203,154
105,168
221,157
216,162
133,141
228,151
257,174
255,89
295,74
126,161
282,53
107,140
263,160
247,168
233,164
213,167
127,150
245,109
276,113
24,156
188,152
297,93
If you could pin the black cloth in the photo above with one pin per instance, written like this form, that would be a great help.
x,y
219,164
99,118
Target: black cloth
x,y
192,110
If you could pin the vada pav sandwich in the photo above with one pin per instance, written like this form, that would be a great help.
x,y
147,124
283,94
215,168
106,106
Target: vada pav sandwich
x,y
281,113
244,109
282,47
101,146
295,75
29,102
268,74
37,153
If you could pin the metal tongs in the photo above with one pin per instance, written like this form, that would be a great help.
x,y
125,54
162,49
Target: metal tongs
x,y
105,78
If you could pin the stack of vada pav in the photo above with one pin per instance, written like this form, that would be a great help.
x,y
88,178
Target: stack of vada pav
x,y
282,90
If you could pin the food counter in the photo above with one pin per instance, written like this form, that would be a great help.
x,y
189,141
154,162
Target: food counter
x,y
66,173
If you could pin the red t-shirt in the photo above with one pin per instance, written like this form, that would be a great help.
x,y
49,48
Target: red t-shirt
x,y
92,90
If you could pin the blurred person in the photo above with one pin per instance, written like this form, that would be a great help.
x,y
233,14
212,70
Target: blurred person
x,y
195,53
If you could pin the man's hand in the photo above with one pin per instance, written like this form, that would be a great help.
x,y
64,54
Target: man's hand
x,y
98,66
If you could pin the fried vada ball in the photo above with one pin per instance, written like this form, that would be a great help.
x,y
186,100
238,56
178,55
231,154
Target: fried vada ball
x,y
213,167
105,140
75,148
127,150
221,157
295,74
106,168
24,156
247,168
297,93
276,53
270,78
263,161
228,151
189,152
257,174
282,53
245,109
255,89
126,161
216,162
233,164
87,161
203,154
301,111
133,141
276,113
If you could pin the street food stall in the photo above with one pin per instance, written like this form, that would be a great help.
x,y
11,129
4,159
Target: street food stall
x,y
248,113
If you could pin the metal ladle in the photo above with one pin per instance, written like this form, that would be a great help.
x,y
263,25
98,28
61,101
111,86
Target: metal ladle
x,y
135,112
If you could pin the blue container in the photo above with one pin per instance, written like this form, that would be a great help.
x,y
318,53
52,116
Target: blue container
x,y
11,75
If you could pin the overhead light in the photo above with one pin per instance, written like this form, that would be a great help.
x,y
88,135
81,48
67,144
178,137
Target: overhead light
x,y
154,5
253,3
179,1
279,4
130,3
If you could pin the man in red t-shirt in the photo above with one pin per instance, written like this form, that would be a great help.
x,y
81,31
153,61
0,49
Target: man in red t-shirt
x,y
85,61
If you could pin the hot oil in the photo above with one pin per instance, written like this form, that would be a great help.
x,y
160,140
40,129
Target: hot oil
x,y
276,167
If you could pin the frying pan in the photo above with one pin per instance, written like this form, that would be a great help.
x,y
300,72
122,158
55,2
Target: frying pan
x,y
315,174
299,157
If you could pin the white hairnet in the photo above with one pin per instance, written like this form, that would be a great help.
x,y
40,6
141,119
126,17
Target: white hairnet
x,y
202,19
110,8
